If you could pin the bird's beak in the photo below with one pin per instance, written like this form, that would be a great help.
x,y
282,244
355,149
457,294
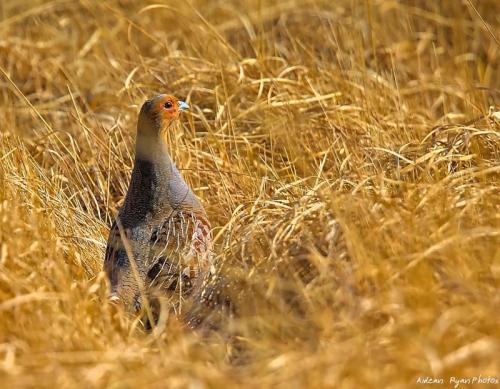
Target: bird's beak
x,y
183,106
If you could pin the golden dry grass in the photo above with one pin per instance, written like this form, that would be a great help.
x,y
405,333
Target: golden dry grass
x,y
347,154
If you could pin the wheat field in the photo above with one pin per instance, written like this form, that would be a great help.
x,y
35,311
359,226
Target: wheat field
x,y
347,154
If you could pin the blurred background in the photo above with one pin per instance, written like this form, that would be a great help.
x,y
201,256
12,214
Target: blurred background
x,y
346,153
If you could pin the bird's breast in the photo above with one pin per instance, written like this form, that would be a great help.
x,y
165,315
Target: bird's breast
x,y
180,235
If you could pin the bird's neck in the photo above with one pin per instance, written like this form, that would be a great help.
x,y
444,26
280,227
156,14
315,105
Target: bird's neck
x,y
156,184
152,153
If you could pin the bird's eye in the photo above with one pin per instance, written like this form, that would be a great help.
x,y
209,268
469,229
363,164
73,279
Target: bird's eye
x,y
168,105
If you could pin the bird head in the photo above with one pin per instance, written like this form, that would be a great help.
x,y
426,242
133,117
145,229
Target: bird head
x,y
159,113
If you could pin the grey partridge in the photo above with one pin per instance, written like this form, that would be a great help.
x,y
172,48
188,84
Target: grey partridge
x,y
161,239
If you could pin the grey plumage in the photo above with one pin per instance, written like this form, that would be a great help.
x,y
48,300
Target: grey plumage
x,y
160,241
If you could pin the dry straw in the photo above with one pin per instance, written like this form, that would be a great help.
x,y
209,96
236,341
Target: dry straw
x,y
347,154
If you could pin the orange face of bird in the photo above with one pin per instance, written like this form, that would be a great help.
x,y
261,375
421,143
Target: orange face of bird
x,y
162,110
168,107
